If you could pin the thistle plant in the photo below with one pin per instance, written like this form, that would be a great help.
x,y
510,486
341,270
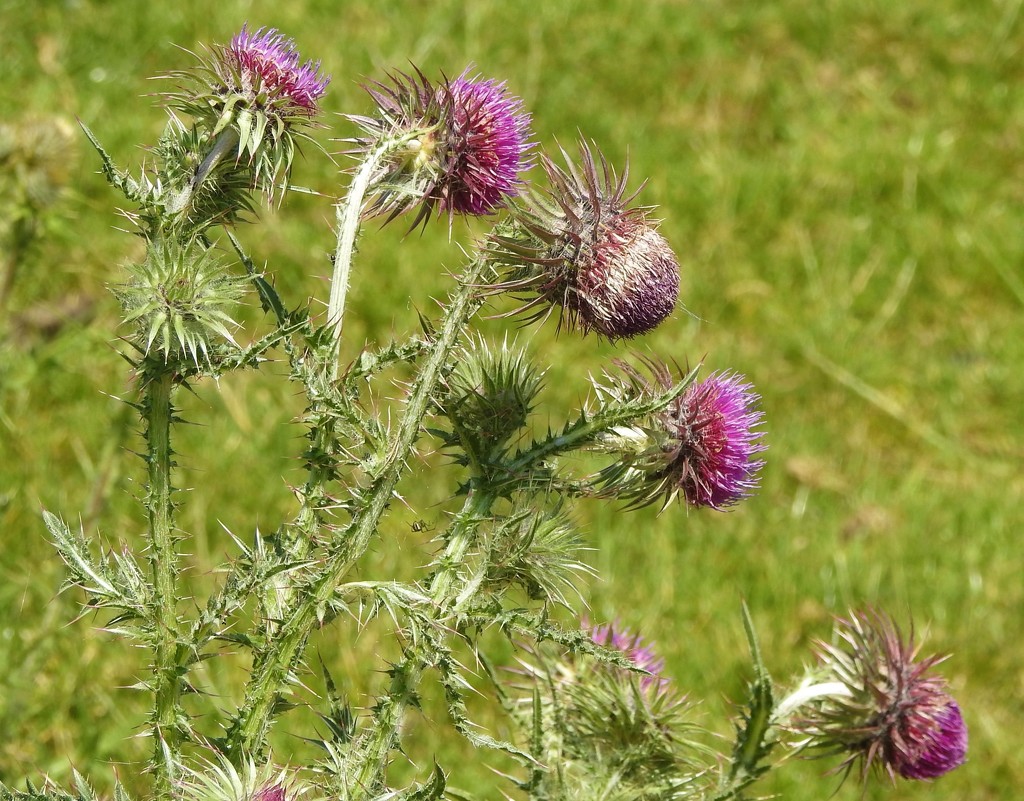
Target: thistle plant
x,y
592,709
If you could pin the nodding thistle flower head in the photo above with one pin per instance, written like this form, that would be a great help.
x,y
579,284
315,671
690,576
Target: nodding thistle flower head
x,y
177,299
872,700
702,446
458,146
251,97
583,249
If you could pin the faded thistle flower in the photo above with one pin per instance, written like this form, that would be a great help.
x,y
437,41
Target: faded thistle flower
x,y
458,147
250,98
702,446
872,700
583,249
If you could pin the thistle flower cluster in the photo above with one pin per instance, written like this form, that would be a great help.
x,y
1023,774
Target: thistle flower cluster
x,y
457,146
599,717
873,701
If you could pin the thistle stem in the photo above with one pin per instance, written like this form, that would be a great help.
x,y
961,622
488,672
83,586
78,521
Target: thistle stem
x,y
477,506
349,212
158,414
809,692
375,745
274,664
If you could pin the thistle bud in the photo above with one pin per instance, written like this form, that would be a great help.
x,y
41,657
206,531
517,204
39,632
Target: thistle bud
x,y
603,720
177,300
458,147
583,250
873,701
490,395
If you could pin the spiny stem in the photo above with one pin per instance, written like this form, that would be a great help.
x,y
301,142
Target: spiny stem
x,y
463,529
274,664
163,560
374,748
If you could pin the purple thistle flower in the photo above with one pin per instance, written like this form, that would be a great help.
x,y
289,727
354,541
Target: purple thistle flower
x,y
714,440
266,65
486,140
892,711
249,100
459,146
584,250
271,792
632,645
934,741
702,444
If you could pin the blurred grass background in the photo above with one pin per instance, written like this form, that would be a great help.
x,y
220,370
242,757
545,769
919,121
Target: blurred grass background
x,y
842,182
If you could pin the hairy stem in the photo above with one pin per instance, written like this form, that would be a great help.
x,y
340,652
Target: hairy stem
x,y
158,413
349,212
274,664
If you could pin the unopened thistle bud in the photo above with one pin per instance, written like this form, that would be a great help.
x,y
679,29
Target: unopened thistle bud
x,y
458,147
872,700
177,299
583,250
250,98
701,447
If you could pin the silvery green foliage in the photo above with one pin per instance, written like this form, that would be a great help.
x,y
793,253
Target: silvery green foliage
x,y
592,715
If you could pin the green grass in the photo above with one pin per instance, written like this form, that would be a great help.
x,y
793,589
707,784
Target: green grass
x,y
842,182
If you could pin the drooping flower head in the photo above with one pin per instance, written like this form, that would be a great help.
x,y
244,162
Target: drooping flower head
x,y
583,249
458,147
885,708
251,98
703,446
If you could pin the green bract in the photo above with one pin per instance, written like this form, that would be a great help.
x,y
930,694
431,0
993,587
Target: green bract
x,y
177,300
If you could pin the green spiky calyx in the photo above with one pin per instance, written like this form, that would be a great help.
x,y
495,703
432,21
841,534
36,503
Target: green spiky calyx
x,y
491,393
177,299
